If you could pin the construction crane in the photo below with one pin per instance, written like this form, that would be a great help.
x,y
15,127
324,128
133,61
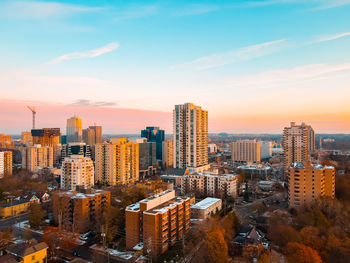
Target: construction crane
x,y
32,109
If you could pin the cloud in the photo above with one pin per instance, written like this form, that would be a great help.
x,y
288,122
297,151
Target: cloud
x,y
333,37
40,9
317,4
196,9
242,54
290,77
87,54
89,103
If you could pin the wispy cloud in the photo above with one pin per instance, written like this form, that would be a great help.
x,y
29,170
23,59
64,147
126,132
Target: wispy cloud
x,y
314,4
87,54
241,54
135,12
333,37
41,9
89,103
196,9
290,76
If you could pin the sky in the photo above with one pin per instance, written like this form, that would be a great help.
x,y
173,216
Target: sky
x,y
254,65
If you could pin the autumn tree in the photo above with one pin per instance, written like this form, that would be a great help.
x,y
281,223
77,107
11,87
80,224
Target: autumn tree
x,y
282,234
216,247
37,215
299,253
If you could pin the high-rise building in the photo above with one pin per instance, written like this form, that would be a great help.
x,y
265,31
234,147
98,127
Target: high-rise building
x,y
26,138
74,130
36,157
309,181
147,159
46,136
77,170
117,162
98,133
168,153
154,134
79,211
89,136
158,222
75,148
298,144
266,149
5,163
190,136
246,151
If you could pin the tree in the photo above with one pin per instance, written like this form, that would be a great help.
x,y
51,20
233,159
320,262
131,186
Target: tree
x,y
216,246
241,177
5,238
36,217
299,253
310,236
281,235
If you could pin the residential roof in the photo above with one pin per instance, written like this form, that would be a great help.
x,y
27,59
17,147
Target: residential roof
x,y
175,171
205,203
22,250
13,203
7,259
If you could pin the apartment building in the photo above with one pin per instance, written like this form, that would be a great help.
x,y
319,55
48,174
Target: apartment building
x,y
77,170
246,151
168,153
206,207
209,185
5,163
190,136
74,130
37,157
80,210
158,221
116,162
298,144
309,181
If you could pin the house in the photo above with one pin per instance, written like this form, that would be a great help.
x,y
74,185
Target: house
x,y
250,235
44,197
29,252
33,199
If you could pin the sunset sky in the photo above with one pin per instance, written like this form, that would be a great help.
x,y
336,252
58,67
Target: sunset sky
x,y
254,65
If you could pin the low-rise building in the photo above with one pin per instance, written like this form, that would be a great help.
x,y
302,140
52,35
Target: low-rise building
x,y
210,185
13,207
29,252
158,221
206,207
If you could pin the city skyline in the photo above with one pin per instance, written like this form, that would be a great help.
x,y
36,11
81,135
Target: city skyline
x,y
254,65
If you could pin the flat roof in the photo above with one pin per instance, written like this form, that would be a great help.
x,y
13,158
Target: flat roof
x,y
167,205
205,203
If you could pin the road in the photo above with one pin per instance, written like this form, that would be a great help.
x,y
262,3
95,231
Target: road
x,y
8,222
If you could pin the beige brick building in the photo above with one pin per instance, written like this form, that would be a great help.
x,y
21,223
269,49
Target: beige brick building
x,y
117,162
37,156
309,181
190,136
168,153
246,151
5,163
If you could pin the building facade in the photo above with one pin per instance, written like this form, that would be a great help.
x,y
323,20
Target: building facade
x,y
75,148
46,136
74,130
246,151
89,136
117,162
98,133
147,159
36,157
80,210
168,154
77,170
5,163
265,149
205,208
158,221
26,138
213,185
298,144
309,181
190,136
154,134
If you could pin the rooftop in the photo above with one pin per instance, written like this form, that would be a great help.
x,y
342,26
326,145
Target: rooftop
x,y
205,203
317,166
167,205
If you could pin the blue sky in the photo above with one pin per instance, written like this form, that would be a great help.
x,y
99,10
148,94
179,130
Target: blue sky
x,y
253,64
